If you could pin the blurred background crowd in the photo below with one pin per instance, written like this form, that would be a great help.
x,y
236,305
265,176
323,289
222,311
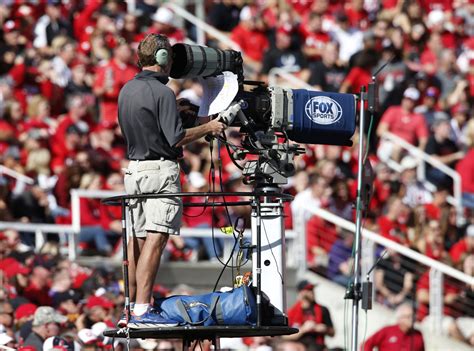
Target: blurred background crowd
x,y
63,63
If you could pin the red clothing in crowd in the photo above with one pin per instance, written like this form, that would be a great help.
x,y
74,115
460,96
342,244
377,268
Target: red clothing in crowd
x,y
449,287
465,168
252,42
460,250
84,21
392,230
392,338
319,233
116,74
90,213
357,78
407,125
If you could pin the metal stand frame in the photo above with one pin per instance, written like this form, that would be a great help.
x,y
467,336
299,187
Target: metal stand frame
x,y
356,293
188,334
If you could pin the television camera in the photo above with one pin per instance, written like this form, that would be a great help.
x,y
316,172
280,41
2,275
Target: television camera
x,y
272,119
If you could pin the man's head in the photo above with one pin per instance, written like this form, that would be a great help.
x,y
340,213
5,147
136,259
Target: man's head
x,y
470,236
404,314
441,126
155,51
306,291
122,52
410,97
46,321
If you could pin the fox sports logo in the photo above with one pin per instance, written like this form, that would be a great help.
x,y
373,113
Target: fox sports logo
x,y
323,110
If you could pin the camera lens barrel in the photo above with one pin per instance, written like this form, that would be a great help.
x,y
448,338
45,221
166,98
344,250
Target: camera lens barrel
x,y
190,61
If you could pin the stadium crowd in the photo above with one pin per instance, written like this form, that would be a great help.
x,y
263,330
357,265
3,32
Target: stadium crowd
x,y
63,63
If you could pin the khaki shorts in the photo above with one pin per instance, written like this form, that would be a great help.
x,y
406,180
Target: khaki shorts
x,y
157,215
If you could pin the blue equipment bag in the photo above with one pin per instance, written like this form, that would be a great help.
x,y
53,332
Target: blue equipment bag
x,y
236,307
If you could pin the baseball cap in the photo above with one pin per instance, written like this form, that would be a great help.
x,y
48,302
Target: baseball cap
x,y
305,285
5,339
163,15
432,92
98,301
470,231
411,93
459,108
86,336
245,14
25,310
12,267
440,117
46,314
57,343
408,162
10,26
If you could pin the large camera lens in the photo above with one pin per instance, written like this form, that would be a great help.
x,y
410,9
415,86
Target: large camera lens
x,y
190,61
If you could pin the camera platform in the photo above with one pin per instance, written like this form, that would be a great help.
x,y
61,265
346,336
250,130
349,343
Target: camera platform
x,y
190,334
200,332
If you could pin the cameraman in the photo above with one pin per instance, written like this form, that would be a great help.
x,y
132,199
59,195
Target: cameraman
x,y
152,127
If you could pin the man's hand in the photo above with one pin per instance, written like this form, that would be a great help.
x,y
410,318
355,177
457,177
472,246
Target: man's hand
x,y
216,127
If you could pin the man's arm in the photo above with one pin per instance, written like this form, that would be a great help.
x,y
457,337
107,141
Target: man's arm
x,y
213,127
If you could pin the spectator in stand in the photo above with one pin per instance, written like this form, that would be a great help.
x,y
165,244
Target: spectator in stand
x,y
451,297
250,36
465,168
394,280
393,224
340,259
284,57
64,54
414,192
326,74
315,39
315,195
164,22
463,248
46,323
91,228
442,148
404,123
431,243
361,74
51,25
401,336
39,283
429,107
460,117
110,78
312,319
349,38
224,15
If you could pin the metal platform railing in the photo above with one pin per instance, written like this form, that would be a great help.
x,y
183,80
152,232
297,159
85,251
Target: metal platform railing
x,y
423,158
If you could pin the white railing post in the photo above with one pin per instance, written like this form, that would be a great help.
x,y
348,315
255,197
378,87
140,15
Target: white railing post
x,y
40,239
368,256
200,13
76,223
299,226
436,300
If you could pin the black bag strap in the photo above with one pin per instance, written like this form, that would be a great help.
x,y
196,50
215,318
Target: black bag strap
x,y
185,314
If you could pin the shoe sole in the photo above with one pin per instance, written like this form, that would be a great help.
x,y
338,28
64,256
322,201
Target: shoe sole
x,y
150,325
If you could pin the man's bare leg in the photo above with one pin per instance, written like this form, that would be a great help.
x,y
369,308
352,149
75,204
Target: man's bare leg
x,y
148,265
134,247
